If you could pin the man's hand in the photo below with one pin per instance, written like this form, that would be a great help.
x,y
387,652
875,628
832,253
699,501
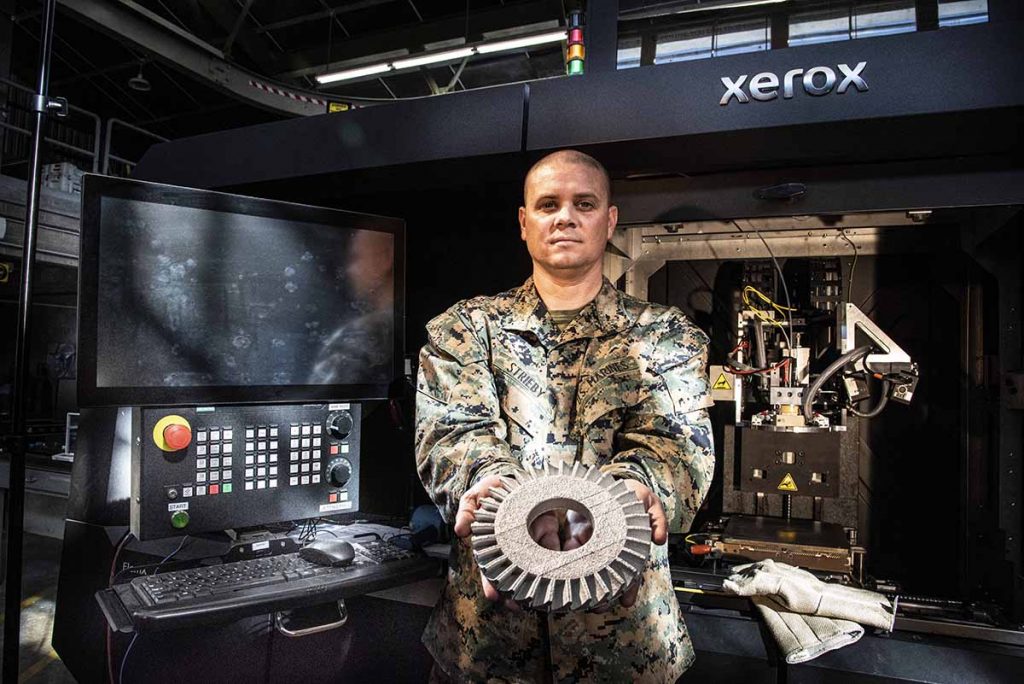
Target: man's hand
x,y
659,529
468,505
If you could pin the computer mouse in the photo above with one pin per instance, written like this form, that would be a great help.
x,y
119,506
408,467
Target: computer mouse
x,y
330,552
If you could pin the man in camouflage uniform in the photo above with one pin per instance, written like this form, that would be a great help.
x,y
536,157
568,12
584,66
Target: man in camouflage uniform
x,y
565,368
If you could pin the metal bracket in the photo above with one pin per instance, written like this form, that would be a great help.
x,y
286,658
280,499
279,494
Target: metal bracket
x,y
50,105
852,319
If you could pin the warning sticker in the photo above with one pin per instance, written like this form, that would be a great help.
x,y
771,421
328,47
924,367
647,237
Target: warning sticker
x,y
787,484
722,383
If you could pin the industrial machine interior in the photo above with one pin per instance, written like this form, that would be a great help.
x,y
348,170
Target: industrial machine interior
x,y
213,317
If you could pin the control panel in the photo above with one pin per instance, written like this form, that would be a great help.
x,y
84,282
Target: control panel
x,y
211,468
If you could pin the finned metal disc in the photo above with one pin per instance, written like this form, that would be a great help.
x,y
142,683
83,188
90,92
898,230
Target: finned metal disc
x,y
582,578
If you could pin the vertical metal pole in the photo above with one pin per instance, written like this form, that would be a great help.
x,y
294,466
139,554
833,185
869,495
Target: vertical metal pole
x,y
602,35
16,497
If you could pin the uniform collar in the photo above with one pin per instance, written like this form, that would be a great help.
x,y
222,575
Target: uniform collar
x,y
609,312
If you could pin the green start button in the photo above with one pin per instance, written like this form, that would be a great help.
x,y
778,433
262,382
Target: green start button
x,y
179,520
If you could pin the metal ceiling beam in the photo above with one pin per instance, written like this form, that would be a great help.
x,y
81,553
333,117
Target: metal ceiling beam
x,y
135,26
322,14
310,61
239,22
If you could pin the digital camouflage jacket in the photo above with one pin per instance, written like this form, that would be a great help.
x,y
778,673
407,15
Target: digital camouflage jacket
x,y
623,386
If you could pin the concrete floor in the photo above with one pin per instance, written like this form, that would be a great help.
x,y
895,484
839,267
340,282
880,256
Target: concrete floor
x,y
39,663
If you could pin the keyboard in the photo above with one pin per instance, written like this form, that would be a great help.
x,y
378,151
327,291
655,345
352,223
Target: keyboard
x,y
228,591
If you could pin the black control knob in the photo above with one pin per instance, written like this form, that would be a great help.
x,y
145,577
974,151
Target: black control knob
x,y
339,470
339,424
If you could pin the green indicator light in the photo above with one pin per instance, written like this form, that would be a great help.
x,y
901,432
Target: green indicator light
x,y
179,520
226,489
575,67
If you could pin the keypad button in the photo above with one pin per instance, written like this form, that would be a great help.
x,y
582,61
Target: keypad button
x,y
304,479
215,476
228,448
261,472
273,470
317,429
293,480
201,436
261,458
214,463
305,443
261,446
249,472
261,484
200,463
226,461
248,485
273,445
214,489
295,429
273,482
334,449
305,455
249,433
225,475
294,444
186,492
200,477
201,490
317,441
273,458
305,467
250,446
316,478
273,432
250,459
214,435
261,433
294,468
228,434
317,453
201,450
294,456
316,464
344,448
225,488
215,448
307,429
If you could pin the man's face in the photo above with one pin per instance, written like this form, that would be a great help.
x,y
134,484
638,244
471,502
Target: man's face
x,y
567,220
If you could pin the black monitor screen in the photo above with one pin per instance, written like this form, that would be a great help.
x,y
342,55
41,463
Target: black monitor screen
x,y
201,297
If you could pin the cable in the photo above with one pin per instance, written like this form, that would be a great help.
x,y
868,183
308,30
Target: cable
x,y
812,391
849,289
782,279
878,407
124,658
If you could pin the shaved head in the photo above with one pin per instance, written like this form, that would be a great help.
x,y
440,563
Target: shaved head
x,y
569,157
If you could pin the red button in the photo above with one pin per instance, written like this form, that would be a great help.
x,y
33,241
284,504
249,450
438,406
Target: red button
x,y
214,489
177,436
332,497
334,450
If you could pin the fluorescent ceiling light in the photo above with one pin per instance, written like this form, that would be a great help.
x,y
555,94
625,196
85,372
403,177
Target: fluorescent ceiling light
x,y
443,56
350,74
432,58
526,41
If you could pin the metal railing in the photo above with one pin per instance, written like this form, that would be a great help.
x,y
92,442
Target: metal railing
x,y
108,156
93,154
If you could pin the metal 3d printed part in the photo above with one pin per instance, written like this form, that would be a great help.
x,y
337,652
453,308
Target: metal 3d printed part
x,y
582,578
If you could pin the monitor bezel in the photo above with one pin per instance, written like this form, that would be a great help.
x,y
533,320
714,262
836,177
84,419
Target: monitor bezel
x,y
96,187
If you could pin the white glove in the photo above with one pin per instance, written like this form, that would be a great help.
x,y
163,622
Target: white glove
x,y
799,591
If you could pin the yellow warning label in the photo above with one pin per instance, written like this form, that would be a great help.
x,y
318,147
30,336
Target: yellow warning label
x,y
787,484
722,383
6,268
335,107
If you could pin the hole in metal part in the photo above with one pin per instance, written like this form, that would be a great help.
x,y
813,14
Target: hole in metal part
x,y
575,524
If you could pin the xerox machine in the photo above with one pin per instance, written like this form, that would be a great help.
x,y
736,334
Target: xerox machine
x,y
229,347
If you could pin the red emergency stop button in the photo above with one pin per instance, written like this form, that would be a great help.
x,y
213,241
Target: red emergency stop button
x,y
177,436
172,433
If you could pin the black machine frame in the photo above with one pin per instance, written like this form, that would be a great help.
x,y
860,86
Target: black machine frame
x,y
96,187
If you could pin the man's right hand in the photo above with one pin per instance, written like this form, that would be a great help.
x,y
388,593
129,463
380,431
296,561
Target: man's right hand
x,y
464,519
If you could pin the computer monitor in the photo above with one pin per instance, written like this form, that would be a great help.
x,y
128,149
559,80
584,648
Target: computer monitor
x,y
191,297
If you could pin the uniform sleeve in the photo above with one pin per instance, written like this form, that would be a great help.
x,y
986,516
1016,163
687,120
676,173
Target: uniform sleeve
x,y
666,440
460,435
